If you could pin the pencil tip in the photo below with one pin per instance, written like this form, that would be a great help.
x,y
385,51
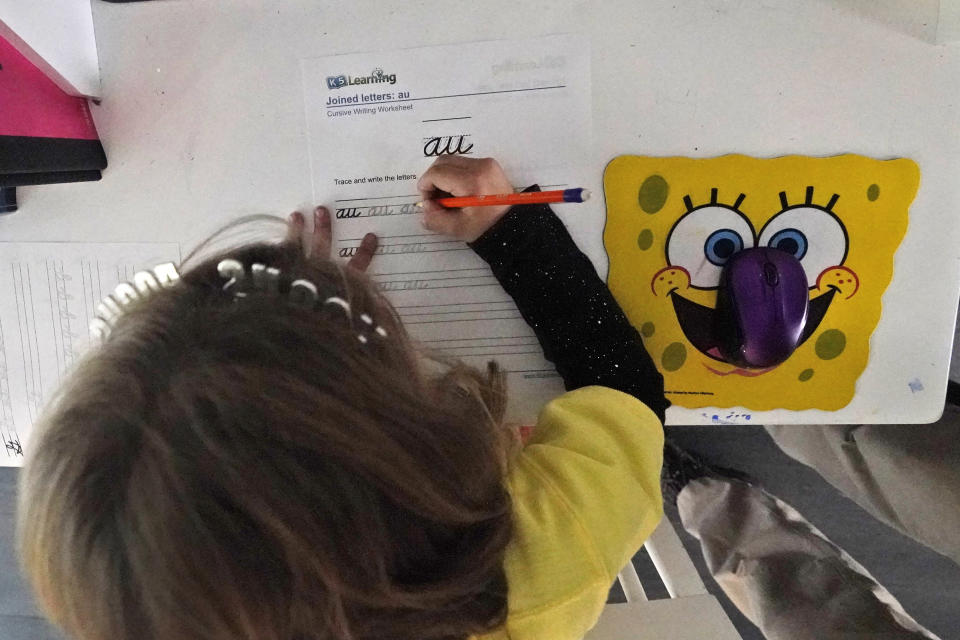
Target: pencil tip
x,y
419,205
584,195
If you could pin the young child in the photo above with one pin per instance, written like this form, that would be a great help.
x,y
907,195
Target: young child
x,y
258,451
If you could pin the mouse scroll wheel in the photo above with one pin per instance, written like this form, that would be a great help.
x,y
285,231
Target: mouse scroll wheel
x,y
770,274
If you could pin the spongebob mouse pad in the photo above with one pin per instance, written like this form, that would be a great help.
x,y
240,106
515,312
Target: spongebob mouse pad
x,y
672,223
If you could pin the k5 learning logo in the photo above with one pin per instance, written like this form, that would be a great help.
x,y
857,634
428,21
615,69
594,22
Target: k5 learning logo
x,y
377,76
335,82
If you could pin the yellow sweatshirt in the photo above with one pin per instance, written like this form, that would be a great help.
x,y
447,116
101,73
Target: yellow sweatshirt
x,y
586,494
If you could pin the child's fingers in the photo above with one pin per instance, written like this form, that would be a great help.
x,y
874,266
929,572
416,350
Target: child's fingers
x,y
295,225
365,252
426,182
441,219
322,233
448,176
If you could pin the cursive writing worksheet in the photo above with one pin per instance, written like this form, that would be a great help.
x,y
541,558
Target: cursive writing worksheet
x,y
48,294
376,121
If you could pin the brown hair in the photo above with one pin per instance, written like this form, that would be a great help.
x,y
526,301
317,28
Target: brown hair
x,y
250,469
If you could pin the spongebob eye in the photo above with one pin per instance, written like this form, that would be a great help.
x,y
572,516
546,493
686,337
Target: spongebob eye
x,y
704,239
791,241
812,235
722,244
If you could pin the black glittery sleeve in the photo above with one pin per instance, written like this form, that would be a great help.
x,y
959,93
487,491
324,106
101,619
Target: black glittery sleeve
x,y
580,326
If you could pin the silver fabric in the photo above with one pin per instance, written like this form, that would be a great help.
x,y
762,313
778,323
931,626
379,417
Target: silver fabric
x,y
783,573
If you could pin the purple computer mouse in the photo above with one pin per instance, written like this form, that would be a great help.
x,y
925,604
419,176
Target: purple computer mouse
x,y
761,307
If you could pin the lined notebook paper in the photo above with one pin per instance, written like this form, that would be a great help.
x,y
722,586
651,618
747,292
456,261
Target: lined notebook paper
x,y
48,293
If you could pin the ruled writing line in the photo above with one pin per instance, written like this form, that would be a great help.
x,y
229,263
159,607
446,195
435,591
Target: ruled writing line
x,y
451,304
453,95
467,339
404,273
443,119
436,279
443,286
447,313
516,317
416,195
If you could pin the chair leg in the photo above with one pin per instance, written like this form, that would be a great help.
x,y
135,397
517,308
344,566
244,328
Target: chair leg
x,y
675,567
630,582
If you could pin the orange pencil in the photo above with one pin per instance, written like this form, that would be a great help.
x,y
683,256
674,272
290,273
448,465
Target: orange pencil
x,y
529,197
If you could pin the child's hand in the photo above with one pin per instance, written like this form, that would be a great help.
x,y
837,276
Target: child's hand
x,y
459,176
318,242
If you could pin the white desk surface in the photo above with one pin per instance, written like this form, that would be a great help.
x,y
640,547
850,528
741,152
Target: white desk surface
x,y
202,119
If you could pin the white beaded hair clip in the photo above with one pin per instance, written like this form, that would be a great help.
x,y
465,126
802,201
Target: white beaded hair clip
x,y
144,283
302,292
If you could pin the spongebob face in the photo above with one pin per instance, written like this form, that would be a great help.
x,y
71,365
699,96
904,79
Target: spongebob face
x,y
672,223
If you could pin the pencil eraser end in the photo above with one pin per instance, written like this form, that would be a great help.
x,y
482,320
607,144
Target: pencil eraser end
x,y
575,195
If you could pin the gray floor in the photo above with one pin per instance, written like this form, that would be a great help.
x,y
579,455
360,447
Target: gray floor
x,y
927,584
19,619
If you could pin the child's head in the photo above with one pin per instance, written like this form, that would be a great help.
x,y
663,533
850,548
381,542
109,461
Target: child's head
x,y
247,468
